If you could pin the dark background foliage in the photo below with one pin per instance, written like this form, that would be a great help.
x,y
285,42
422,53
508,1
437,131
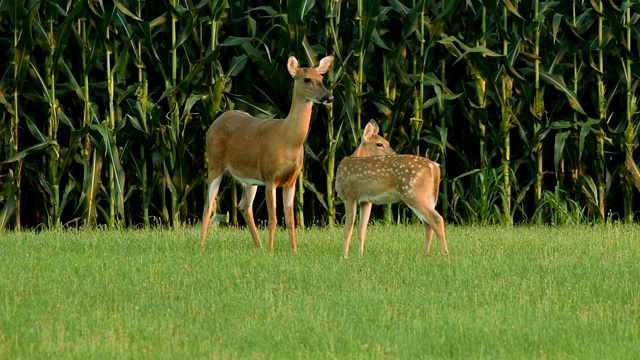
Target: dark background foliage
x,y
530,107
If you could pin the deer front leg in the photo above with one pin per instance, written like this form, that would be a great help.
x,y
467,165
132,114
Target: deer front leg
x,y
214,185
246,208
365,212
270,192
350,211
288,195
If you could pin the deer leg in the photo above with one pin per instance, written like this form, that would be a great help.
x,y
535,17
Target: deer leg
x,y
270,193
350,210
365,212
431,218
428,236
437,222
246,208
214,185
288,194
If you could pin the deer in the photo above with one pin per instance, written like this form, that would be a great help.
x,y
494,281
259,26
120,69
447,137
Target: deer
x,y
268,153
376,174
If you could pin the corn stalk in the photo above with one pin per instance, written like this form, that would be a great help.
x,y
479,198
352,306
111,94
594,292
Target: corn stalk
x,y
630,134
417,120
505,128
538,108
602,112
53,154
331,33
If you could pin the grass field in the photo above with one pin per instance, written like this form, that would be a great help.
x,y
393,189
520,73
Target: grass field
x,y
540,292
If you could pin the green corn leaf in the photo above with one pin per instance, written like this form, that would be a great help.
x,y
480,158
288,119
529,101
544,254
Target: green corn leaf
x,y
558,149
512,9
319,195
28,151
236,65
90,186
400,8
113,156
46,94
558,82
296,12
69,187
144,28
369,19
265,67
9,197
188,24
72,84
589,189
33,129
449,10
123,9
191,101
468,173
67,154
235,41
410,21
24,47
633,169
557,21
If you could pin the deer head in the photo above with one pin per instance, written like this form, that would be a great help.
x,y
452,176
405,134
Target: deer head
x,y
372,144
308,84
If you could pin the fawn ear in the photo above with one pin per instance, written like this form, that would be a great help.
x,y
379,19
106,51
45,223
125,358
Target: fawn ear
x,y
370,130
292,65
324,64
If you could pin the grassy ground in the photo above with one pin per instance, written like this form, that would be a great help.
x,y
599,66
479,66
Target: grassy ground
x,y
569,292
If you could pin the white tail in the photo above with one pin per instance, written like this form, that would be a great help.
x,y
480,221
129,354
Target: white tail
x,y
265,152
375,174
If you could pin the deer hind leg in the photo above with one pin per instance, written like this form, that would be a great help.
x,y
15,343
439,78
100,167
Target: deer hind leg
x,y
428,235
350,210
288,195
432,222
214,185
246,208
365,212
270,193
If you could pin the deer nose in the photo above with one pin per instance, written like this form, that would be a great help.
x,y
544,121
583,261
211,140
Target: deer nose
x,y
327,99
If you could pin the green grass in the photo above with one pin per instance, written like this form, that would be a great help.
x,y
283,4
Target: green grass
x,y
568,292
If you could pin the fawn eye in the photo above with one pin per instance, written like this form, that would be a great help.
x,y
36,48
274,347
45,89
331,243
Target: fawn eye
x,y
380,145
307,80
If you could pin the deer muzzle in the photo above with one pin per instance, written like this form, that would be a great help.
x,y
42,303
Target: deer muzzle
x,y
327,99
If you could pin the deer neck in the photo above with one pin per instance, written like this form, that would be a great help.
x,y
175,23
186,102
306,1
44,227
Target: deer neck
x,y
360,152
296,124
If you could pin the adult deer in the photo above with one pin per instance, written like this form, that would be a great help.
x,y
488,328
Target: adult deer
x,y
376,174
265,152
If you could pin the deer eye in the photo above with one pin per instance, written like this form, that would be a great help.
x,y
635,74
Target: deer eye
x,y
307,80
380,145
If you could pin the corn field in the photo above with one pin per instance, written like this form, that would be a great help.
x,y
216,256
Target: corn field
x,y
530,107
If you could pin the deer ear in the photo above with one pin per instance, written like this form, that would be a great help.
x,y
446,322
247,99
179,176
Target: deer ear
x,y
292,65
324,64
370,130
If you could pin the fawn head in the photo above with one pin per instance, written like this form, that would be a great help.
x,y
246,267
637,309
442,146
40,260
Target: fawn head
x,y
308,81
373,144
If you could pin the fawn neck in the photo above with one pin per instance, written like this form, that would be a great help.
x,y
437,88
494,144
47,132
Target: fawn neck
x,y
360,152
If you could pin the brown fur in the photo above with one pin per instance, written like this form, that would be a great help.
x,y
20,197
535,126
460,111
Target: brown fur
x,y
265,152
375,174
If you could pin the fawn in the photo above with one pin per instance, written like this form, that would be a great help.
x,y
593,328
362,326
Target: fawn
x,y
376,174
